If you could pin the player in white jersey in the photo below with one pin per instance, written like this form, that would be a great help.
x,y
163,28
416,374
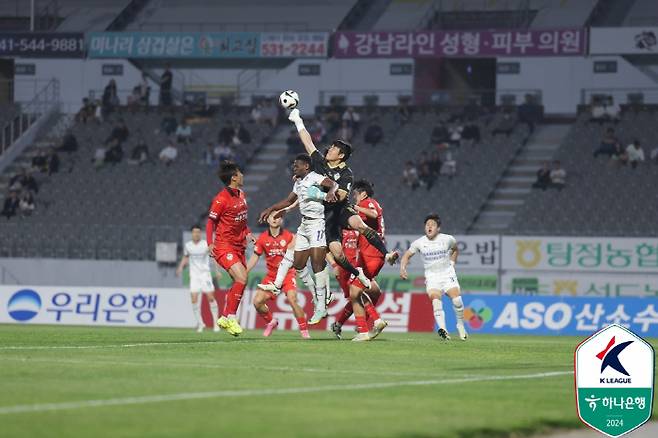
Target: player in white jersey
x,y
439,254
310,239
196,255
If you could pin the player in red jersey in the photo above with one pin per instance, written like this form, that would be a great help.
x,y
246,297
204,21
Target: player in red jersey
x,y
227,233
274,243
371,261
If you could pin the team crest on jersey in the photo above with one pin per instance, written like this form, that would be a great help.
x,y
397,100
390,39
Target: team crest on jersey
x,y
336,176
229,256
282,242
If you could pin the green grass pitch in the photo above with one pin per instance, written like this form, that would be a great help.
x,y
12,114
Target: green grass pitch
x,y
119,382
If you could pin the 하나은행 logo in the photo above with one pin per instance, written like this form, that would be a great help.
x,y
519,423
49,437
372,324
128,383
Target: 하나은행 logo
x,y
477,314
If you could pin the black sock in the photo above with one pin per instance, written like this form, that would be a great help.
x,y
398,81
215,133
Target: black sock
x,y
373,238
345,264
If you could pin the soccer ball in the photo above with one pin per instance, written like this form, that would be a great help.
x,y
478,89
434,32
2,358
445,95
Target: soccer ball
x,y
289,99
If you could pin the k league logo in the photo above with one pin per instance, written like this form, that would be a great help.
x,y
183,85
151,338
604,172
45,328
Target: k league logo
x,y
614,372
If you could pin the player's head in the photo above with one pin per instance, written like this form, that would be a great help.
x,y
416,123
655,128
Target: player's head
x,y
196,232
274,223
432,225
363,189
301,166
230,174
339,151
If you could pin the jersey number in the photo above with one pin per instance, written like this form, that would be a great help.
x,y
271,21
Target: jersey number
x,y
320,235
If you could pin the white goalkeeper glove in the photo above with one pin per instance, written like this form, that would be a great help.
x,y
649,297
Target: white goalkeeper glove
x,y
296,119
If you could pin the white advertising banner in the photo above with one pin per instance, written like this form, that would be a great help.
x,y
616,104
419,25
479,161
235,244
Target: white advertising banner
x,y
119,307
572,284
623,40
475,251
586,254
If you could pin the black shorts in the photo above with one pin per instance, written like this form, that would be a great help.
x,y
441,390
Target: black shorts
x,y
336,220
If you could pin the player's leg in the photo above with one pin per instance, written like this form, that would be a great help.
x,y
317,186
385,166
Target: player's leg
x,y
359,314
336,249
356,223
458,305
343,278
319,266
333,234
260,304
214,308
196,309
234,264
370,299
297,310
434,292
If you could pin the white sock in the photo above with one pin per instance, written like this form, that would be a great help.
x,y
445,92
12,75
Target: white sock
x,y
321,281
284,267
458,305
214,310
196,308
307,278
439,316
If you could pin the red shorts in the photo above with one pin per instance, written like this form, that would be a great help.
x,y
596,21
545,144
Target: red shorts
x,y
229,257
289,283
371,267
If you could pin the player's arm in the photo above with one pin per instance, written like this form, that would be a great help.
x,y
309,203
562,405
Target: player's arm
x,y
318,195
304,136
210,234
292,197
282,212
332,261
252,262
368,212
454,253
183,262
403,264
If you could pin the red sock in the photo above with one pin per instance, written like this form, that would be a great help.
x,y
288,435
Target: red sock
x,y
361,324
233,298
345,315
302,323
371,312
267,316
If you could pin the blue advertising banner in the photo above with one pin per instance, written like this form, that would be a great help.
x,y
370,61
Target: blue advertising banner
x,y
555,315
192,45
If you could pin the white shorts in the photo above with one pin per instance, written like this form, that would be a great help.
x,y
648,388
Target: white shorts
x,y
441,282
201,283
310,234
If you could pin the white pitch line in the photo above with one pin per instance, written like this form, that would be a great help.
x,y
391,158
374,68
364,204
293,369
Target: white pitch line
x,y
42,407
86,347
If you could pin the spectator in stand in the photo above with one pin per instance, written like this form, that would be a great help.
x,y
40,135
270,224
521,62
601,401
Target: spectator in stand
x,y
166,82
471,135
86,112
634,154
168,154
558,176
353,119
410,175
317,131
241,135
270,113
609,146
295,145
11,205
224,152
184,133
449,167
40,161
471,111
424,172
144,91
119,133
98,115
654,156
99,157
374,133
25,181
506,124
440,134
169,124
543,177
345,132
529,112
26,203
403,114
114,153
52,161
435,163
604,111
69,143
227,133
456,135
110,98
257,113
140,153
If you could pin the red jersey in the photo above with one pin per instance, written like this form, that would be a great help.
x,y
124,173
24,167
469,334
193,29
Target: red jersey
x,y
274,248
350,245
376,224
228,212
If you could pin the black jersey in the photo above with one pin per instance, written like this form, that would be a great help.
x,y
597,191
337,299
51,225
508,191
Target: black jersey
x,y
341,174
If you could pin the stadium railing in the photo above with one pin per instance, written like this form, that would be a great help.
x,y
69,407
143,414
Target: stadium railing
x,y
621,96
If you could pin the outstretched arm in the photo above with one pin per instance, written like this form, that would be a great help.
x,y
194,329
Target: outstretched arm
x,y
182,264
304,136
252,262
403,264
285,203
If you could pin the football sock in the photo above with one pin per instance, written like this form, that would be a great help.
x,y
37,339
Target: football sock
x,y
214,310
321,280
284,267
371,311
373,238
233,299
307,278
196,308
458,305
267,316
439,316
345,314
361,325
345,264
302,323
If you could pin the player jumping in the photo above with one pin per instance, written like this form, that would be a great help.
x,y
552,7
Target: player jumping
x,y
274,243
439,253
338,215
197,256
227,233
310,239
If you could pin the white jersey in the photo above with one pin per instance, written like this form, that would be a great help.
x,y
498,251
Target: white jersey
x,y
435,253
309,207
199,258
